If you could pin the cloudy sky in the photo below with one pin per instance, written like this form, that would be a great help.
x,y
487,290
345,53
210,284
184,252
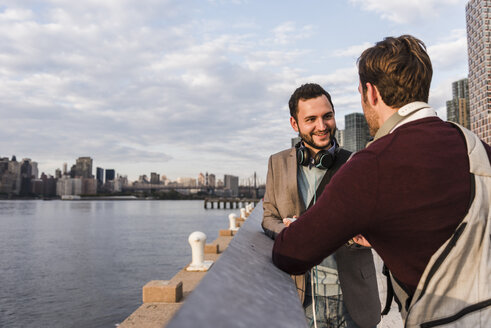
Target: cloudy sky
x,y
180,87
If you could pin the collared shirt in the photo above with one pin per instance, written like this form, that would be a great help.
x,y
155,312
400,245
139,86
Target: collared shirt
x,y
326,275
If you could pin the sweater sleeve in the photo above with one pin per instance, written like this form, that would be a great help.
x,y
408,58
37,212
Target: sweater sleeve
x,y
342,211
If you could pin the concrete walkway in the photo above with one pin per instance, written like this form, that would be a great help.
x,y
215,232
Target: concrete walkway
x,y
393,318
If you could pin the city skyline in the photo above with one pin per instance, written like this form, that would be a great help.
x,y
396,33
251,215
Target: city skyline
x,y
179,87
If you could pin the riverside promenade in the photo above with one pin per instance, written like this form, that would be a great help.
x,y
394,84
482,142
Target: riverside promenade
x,y
242,289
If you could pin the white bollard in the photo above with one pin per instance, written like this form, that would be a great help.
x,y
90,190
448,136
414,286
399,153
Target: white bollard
x,y
197,241
232,219
243,213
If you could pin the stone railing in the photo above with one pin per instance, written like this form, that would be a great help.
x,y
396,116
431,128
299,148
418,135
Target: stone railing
x,y
243,288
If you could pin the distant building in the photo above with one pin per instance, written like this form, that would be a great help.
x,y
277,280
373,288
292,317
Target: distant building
x,y
201,180
10,176
154,178
477,14
211,180
25,177
295,141
339,135
49,185
83,167
67,186
458,107
99,176
356,133
89,186
110,175
186,182
231,183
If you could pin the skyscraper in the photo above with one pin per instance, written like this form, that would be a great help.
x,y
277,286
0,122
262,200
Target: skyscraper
x,y
356,132
83,167
110,175
458,107
477,14
232,183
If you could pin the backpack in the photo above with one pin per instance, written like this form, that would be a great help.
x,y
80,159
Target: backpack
x,y
455,288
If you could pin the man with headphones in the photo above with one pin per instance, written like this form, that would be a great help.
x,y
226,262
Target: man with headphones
x,y
342,290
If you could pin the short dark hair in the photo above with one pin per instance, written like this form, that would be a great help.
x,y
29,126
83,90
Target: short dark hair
x,y
399,67
305,92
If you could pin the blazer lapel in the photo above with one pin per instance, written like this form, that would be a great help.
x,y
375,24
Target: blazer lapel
x,y
292,177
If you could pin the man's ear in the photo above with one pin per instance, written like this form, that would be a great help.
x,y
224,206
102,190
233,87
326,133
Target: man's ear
x,y
373,96
293,123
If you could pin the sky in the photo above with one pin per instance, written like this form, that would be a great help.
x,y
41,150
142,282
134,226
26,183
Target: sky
x,y
180,87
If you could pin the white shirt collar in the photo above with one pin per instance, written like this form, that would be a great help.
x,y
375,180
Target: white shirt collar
x,y
424,112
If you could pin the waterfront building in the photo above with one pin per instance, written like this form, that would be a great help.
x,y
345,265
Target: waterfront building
x,y
4,165
99,174
57,173
231,182
201,179
49,185
356,133
67,186
89,186
110,174
211,180
154,178
25,177
477,13
37,186
186,182
458,107
14,177
83,167
65,168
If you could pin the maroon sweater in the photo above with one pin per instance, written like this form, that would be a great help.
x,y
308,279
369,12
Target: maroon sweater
x,y
406,193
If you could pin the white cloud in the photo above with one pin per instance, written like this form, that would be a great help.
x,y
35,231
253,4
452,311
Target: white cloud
x,y
450,52
352,51
403,11
288,32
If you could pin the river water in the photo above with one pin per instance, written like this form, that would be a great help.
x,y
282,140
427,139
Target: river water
x,y
84,263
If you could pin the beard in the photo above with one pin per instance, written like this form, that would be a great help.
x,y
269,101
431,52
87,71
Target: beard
x,y
371,116
309,139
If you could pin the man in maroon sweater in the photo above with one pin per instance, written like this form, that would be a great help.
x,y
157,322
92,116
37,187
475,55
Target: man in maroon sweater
x,y
407,191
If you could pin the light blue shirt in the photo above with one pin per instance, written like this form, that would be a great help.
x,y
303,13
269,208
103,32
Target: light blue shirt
x,y
327,282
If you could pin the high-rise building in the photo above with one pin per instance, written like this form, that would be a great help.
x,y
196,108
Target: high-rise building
x,y
201,179
154,178
211,180
478,14
458,107
356,133
110,175
232,183
339,135
83,167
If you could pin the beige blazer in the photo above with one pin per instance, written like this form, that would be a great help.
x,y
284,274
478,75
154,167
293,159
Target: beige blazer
x,y
355,264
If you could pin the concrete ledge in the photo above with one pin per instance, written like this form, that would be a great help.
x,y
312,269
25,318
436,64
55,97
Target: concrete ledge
x,y
162,291
226,232
158,314
212,249
244,288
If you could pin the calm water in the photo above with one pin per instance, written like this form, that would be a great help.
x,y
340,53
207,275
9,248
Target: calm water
x,y
83,263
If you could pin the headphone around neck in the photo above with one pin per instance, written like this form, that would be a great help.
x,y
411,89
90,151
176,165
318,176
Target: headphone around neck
x,y
322,160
